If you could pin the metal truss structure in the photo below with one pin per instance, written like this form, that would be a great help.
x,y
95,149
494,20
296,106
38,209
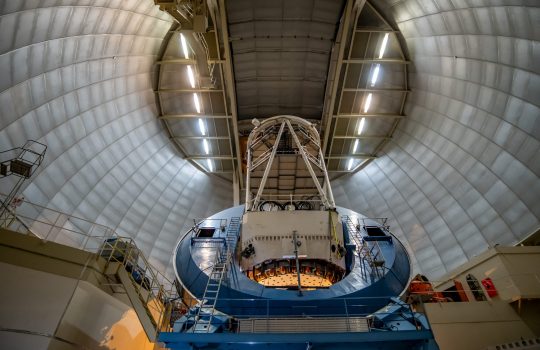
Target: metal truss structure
x,y
285,136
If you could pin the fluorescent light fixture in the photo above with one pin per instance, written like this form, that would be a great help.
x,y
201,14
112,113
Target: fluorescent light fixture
x,y
191,77
197,104
355,147
375,74
184,46
202,128
206,148
361,126
383,46
210,165
368,102
349,165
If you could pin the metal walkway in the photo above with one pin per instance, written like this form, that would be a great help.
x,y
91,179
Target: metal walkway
x,y
371,255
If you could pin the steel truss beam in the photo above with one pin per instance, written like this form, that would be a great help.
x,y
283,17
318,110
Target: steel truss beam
x,y
201,138
209,156
190,116
309,148
365,137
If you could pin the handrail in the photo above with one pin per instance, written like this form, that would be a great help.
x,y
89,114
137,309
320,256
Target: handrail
x,y
342,308
79,233
368,251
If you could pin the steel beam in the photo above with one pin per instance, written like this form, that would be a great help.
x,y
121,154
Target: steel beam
x,y
355,156
373,90
375,30
188,61
172,338
267,169
177,61
367,137
191,116
376,60
327,119
372,115
210,157
326,200
201,137
189,90
230,84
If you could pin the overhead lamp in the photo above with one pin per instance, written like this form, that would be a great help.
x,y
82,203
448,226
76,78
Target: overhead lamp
x,y
202,127
349,165
355,147
184,46
383,46
361,126
210,164
206,148
375,74
367,104
191,77
197,104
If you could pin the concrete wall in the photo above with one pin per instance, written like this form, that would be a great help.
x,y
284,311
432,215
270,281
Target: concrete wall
x,y
506,317
34,301
515,272
475,325
60,314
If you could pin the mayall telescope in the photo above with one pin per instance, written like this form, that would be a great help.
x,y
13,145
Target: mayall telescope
x,y
290,261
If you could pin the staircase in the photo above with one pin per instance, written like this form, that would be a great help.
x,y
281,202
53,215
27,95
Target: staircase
x,y
369,253
115,263
144,286
224,255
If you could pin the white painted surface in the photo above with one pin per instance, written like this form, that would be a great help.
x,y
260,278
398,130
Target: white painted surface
x,y
271,234
35,301
475,325
461,174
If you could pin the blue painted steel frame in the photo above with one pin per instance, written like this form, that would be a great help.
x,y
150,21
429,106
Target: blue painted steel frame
x,y
252,298
368,340
242,297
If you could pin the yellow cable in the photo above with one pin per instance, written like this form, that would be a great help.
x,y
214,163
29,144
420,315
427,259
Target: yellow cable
x,y
334,234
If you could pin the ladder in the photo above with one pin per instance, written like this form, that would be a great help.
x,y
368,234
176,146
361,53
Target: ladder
x,y
371,255
219,271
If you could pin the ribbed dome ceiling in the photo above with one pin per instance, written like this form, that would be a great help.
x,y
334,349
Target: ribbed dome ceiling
x,y
77,76
461,172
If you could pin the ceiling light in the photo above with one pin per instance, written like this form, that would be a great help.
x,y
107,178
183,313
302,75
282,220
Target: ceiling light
x,y
206,148
375,74
355,147
368,102
197,104
210,165
349,165
184,46
202,128
361,126
191,76
383,46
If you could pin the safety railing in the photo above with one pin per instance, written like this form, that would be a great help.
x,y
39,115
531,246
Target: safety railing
x,y
207,223
335,315
382,222
509,287
158,293
369,251
291,202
